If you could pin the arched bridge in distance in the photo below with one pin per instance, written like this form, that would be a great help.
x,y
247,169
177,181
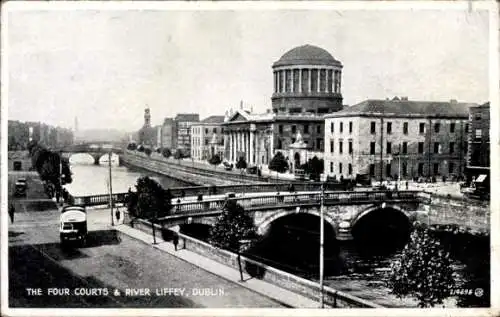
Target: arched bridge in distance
x,y
347,214
95,149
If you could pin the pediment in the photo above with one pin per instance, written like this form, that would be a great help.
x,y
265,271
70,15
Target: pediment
x,y
238,117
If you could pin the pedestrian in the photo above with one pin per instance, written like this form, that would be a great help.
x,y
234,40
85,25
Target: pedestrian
x,y
406,185
176,241
12,210
183,193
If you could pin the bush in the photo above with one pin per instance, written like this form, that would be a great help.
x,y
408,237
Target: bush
x,y
166,153
132,146
215,160
423,270
241,163
147,151
278,163
140,148
178,154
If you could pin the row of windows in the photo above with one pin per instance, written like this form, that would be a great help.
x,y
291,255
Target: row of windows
x,y
420,169
294,129
198,130
341,147
318,144
340,168
421,127
341,127
403,148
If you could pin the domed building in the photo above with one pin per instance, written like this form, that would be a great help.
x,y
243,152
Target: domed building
x,y
307,85
307,79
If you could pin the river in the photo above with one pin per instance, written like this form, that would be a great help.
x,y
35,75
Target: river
x,y
359,270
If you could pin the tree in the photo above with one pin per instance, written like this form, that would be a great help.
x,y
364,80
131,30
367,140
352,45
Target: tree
x,y
241,163
232,226
140,148
314,167
132,146
166,152
215,160
178,154
423,270
150,201
147,151
278,163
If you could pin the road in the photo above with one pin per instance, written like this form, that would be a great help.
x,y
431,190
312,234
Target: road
x,y
109,262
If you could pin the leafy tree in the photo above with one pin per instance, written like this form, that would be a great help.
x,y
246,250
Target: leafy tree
x,y
233,225
166,152
140,148
215,160
241,163
278,163
150,200
313,167
147,151
178,154
132,146
423,270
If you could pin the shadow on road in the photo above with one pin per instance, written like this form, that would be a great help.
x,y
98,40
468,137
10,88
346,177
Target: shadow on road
x,y
30,268
98,238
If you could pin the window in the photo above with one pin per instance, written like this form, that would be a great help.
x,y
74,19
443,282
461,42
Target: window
x,y
436,127
350,126
405,147
477,116
452,147
478,133
331,146
389,147
206,130
306,128
452,127
420,169
280,128
466,128
466,147
420,147
372,148
436,147
206,142
214,130
318,129
350,147
405,127
319,143
331,167
388,169
372,170
332,127
340,168
341,147
436,168
421,128
341,127
349,169
404,168
279,144
372,127
451,168
294,129
389,127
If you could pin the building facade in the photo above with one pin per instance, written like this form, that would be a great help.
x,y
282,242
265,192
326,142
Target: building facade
x,y
183,123
307,85
479,136
388,138
207,138
168,134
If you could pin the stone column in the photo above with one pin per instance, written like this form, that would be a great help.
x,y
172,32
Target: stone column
x,y
252,149
291,80
318,81
275,82
309,81
283,80
300,80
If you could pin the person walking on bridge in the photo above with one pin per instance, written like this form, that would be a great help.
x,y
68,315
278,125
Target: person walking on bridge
x,y
12,210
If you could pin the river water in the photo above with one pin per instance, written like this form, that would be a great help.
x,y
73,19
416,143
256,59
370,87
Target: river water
x,y
360,270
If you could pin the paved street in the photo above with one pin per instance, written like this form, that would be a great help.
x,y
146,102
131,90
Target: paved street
x,y
109,262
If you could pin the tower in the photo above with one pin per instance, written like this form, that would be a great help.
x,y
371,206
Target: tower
x,y
147,118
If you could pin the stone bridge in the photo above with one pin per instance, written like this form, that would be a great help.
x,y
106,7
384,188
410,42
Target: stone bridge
x,y
97,150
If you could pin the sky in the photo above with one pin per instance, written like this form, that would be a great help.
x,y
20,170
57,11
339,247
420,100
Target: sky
x,y
104,67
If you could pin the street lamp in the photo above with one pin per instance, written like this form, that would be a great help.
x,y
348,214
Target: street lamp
x,y
110,189
321,246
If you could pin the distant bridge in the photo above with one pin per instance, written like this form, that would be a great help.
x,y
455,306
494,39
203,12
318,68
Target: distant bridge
x,y
95,149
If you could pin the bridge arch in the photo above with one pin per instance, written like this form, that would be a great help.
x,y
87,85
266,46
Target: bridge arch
x,y
264,224
80,158
375,208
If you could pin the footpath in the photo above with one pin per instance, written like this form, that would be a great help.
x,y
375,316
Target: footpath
x,y
279,294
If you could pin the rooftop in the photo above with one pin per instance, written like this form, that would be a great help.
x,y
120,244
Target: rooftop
x,y
306,55
405,107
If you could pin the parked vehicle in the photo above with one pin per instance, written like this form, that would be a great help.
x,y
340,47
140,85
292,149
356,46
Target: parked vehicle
x,y
252,170
227,166
73,225
21,187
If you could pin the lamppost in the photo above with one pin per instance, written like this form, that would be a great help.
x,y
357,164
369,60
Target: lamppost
x,y
110,189
321,246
